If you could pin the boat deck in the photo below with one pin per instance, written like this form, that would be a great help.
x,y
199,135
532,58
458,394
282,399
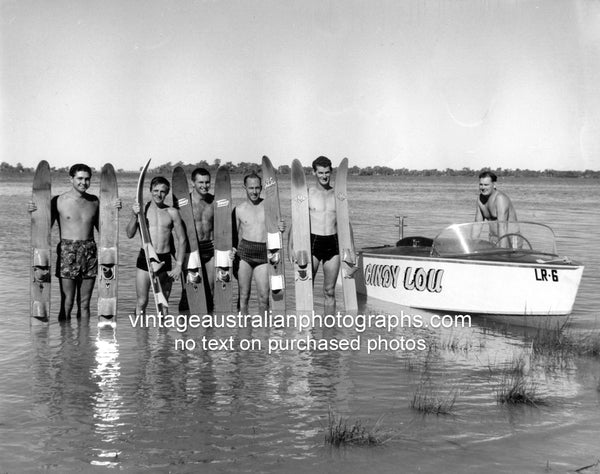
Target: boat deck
x,y
492,255
402,250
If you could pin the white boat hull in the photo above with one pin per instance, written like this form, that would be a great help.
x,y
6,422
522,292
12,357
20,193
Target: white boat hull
x,y
470,286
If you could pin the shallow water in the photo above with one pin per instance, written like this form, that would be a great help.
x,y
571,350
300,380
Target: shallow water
x,y
78,399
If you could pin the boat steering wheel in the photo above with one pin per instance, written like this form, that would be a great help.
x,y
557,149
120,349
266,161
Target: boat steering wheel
x,y
514,234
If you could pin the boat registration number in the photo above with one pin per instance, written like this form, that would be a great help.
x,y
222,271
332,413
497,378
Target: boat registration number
x,y
545,274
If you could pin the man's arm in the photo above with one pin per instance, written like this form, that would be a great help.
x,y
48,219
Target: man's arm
x,y
180,243
476,230
132,225
502,207
478,213
502,212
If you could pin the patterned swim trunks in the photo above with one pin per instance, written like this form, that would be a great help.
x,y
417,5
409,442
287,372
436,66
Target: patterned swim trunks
x,y
76,259
253,253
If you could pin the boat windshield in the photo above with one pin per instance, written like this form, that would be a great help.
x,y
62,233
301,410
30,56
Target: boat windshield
x,y
494,236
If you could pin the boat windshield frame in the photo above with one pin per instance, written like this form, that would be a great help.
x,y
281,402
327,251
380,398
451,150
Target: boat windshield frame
x,y
493,237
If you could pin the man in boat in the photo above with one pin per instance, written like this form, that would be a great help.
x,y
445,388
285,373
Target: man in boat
x,y
250,245
494,205
77,213
164,223
323,230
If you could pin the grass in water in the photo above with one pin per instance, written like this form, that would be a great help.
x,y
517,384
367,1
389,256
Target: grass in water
x,y
516,388
341,432
560,342
458,342
428,400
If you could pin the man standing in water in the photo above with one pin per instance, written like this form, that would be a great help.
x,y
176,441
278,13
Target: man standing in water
x,y
494,205
324,244
77,262
204,215
163,221
323,229
251,248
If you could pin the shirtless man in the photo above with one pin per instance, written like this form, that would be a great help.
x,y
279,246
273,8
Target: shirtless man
x,y
204,214
251,250
494,205
323,229
77,260
162,222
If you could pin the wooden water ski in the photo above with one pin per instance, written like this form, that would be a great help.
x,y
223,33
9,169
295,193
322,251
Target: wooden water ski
x,y
108,253
301,239
152,260
274,238
348,261
41,223
193,271
223,236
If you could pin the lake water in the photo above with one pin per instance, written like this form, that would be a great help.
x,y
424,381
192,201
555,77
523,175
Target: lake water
x,y
74,398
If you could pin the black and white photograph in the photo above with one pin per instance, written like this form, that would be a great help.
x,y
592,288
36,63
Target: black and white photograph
x,y
273,236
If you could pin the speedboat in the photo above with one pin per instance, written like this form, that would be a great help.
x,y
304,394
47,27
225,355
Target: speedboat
x,y
507,269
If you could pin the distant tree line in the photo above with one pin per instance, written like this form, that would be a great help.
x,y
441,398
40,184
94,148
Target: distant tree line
x,y
245,167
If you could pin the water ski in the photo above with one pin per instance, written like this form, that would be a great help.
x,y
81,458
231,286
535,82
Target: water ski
x,y
223,237
41,223
301,238
152,260
194,273
108,253
274,238
348,261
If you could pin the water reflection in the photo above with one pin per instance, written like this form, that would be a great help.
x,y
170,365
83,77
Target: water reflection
x,y
224,405
199,383
157,391
107,402
129,400
62,377
63,391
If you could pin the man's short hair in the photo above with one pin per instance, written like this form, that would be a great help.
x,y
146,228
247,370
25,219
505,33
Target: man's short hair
x,y
201,172
252,174
160,180
488,174
322,161
79,167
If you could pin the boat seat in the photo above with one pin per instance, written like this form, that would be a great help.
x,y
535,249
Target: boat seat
x,y
416,241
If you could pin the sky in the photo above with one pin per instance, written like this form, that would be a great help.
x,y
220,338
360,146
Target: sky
x,y
407,84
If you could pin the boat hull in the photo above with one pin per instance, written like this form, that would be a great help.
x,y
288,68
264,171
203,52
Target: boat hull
x,y
468,286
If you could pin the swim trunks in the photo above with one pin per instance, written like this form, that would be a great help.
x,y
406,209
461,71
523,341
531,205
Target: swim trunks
x,y
76,259
324,247
207,250
253,253
163,257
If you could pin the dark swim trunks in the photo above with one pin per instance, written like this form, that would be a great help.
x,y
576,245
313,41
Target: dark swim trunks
x,y
207,250
324,247
163,257
76,259
253,253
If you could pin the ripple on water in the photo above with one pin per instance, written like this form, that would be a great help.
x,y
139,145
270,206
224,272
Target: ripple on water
x,y
74,397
